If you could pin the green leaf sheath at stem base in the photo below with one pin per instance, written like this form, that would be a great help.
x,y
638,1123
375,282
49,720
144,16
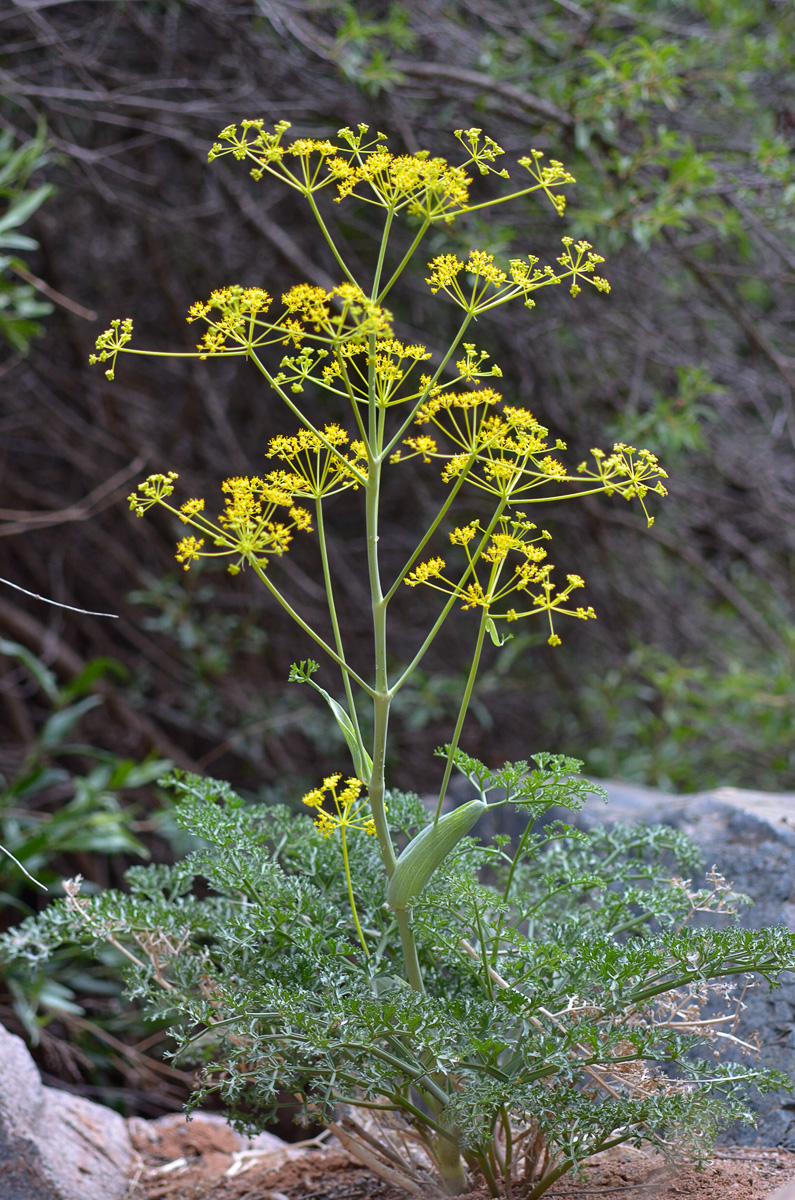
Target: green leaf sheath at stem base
x,y
427,851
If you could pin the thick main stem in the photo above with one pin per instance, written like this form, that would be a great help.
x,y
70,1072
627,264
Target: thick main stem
x,y
380,694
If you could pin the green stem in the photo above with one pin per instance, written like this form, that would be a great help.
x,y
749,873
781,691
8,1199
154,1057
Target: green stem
x,y
332,608
381,254
484,1165
462,712
380,695
296,411
350,892
378,783
329,238
451,351
451,1168
410,955
506,1127
402,265
440,620
354,403
274,591
484,955
516,857
428,535
500,199
554,1175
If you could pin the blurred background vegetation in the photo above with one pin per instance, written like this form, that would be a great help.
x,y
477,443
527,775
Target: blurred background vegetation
x,y
678,119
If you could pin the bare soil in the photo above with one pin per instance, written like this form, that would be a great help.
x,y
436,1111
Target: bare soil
x,y
203,1160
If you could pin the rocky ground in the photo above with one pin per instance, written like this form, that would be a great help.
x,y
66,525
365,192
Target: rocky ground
x,y
204,1160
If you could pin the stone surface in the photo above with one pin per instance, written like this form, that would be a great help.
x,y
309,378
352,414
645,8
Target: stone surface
x,y
55,1146
785,1193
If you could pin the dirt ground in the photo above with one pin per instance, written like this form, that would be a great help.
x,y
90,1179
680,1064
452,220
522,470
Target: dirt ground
x,y
205,1160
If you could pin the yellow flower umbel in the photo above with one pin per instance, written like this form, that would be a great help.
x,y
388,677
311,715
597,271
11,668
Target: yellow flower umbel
x,y
349,813
429,188
245,528
488,285
316,464
530,578
630,472
347,810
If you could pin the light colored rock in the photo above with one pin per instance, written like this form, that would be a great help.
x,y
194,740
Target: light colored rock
x,y
785,1193
229,1140
55,1146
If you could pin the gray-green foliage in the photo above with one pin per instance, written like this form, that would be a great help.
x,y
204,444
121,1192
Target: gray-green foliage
x,y
686,726
557,971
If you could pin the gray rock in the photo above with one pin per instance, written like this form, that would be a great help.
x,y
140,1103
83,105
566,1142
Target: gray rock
x,y
787,1192
55,1146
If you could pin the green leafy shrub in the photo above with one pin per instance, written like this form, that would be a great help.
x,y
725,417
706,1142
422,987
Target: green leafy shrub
x,y
506,1011
65,798
20,305
561,1002
656,718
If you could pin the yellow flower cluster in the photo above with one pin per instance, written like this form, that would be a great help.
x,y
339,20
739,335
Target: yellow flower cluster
x,y
530,577
237,322
554,174
501,453
425,572
266,145
471,365
482,156
246,528
449,402
386,370
230,313
490,285
423,186
429,188
110,343
309,308
154,490
626,474
317,466
580,269
348,811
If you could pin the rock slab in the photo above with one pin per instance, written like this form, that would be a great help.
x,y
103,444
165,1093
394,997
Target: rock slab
x,y
53,1145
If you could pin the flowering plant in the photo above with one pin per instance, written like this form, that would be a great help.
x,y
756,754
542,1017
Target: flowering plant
x,y
443,1005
